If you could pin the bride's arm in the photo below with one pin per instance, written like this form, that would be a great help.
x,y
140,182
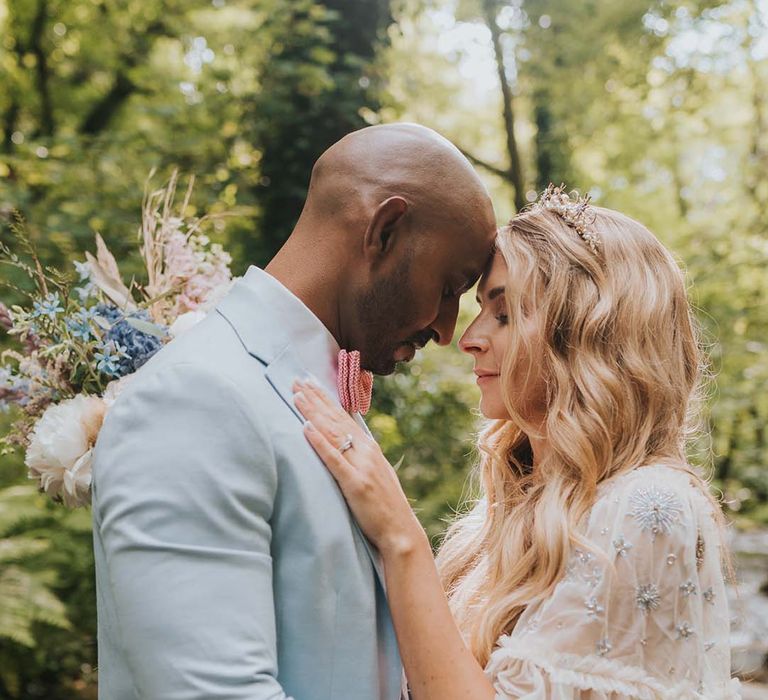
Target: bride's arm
x,y
437,662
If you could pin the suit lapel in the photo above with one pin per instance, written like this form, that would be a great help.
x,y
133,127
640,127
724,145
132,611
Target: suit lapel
x,y
281,373
290,342
361,422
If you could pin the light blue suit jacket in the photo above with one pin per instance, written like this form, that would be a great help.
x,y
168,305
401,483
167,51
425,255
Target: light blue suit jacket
x,y
227,562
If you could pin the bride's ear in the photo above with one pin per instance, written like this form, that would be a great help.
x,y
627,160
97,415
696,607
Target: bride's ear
x,y
383,228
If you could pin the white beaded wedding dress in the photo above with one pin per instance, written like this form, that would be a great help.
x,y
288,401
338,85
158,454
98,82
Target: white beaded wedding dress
x,y
641,614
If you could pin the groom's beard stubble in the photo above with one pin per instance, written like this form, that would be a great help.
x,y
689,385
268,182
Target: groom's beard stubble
x,y
383,316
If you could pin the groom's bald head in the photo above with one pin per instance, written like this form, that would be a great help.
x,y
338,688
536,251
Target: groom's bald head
x,y
395,226
365,167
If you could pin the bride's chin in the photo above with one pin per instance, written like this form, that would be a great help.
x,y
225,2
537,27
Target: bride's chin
x,y
493,410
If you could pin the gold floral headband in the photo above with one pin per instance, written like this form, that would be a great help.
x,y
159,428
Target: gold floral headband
x,y
574,210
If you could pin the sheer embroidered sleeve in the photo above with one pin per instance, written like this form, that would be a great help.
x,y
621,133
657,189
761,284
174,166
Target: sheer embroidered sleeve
x,y
641,612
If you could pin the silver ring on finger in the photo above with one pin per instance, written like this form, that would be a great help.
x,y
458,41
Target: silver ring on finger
x,y
348,444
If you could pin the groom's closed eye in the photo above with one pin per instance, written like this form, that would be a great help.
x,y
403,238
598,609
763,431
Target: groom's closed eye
x,y
468,282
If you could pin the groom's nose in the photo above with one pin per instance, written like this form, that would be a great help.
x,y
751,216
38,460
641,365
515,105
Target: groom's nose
x,y
445,324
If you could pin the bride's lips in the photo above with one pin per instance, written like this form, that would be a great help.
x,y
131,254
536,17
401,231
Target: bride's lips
x,y
485,376
405,352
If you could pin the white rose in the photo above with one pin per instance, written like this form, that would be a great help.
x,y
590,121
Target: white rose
x,y
77,482
58,455
186,321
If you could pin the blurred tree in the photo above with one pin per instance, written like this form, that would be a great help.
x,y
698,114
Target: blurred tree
x,y
487,11
163,84
316,87
664,121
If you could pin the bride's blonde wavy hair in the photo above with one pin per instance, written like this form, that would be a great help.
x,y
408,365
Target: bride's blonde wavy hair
x,y
620,354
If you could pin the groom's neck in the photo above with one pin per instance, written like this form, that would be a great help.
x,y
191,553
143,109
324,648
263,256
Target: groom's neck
x,y
312,278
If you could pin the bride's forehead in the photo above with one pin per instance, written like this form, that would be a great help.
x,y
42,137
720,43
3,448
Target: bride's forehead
x,y
494,276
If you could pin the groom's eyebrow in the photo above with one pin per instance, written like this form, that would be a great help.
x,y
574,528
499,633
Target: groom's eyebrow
x,y
470,279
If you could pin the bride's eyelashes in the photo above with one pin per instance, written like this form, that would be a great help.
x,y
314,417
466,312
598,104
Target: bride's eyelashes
x,y
501,315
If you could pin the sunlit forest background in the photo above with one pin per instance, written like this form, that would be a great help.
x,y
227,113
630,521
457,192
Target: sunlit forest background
x,y
658,108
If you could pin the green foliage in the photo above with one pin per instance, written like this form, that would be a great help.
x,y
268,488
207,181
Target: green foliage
x,y
29,581
659,109
424,415
315,87
95,95
245,94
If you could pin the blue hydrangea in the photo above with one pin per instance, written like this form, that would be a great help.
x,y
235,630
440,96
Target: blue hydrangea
x,y
138,346
109,312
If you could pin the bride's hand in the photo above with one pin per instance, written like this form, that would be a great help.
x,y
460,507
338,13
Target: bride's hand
x,y
366,478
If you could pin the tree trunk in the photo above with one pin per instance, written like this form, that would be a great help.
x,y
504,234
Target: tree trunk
x,y
106,108
41,69
10,119
754,180
515,167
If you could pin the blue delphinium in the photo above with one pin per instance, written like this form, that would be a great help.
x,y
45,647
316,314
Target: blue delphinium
x,y
137,346
79,324
50,306
87,287
110,356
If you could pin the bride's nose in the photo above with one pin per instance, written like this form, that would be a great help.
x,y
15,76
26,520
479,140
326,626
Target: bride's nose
x,y
472,341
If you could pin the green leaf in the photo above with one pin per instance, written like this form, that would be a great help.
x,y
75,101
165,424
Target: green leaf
x,y
146,327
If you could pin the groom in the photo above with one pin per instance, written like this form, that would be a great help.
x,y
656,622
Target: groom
x,y
227,563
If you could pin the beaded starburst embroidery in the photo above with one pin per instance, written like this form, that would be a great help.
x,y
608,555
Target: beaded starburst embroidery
x,y
647,597
655,509
574,210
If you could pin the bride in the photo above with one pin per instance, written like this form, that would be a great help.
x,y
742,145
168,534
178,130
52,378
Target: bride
x,y
590,566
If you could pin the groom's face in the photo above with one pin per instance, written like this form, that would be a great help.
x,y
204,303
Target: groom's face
x,y
416,298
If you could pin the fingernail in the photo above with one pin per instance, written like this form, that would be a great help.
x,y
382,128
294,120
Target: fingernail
x,y
308,425
299,396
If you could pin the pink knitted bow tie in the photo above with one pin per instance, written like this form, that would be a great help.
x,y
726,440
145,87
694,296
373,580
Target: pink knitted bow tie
x,y
355,385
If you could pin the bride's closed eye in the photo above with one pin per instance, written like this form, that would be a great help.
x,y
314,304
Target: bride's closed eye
x,y
500,310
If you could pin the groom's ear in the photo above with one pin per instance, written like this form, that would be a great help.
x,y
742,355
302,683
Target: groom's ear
x,y
382,227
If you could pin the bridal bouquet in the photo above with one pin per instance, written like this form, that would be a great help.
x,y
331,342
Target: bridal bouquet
x,y
79,341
